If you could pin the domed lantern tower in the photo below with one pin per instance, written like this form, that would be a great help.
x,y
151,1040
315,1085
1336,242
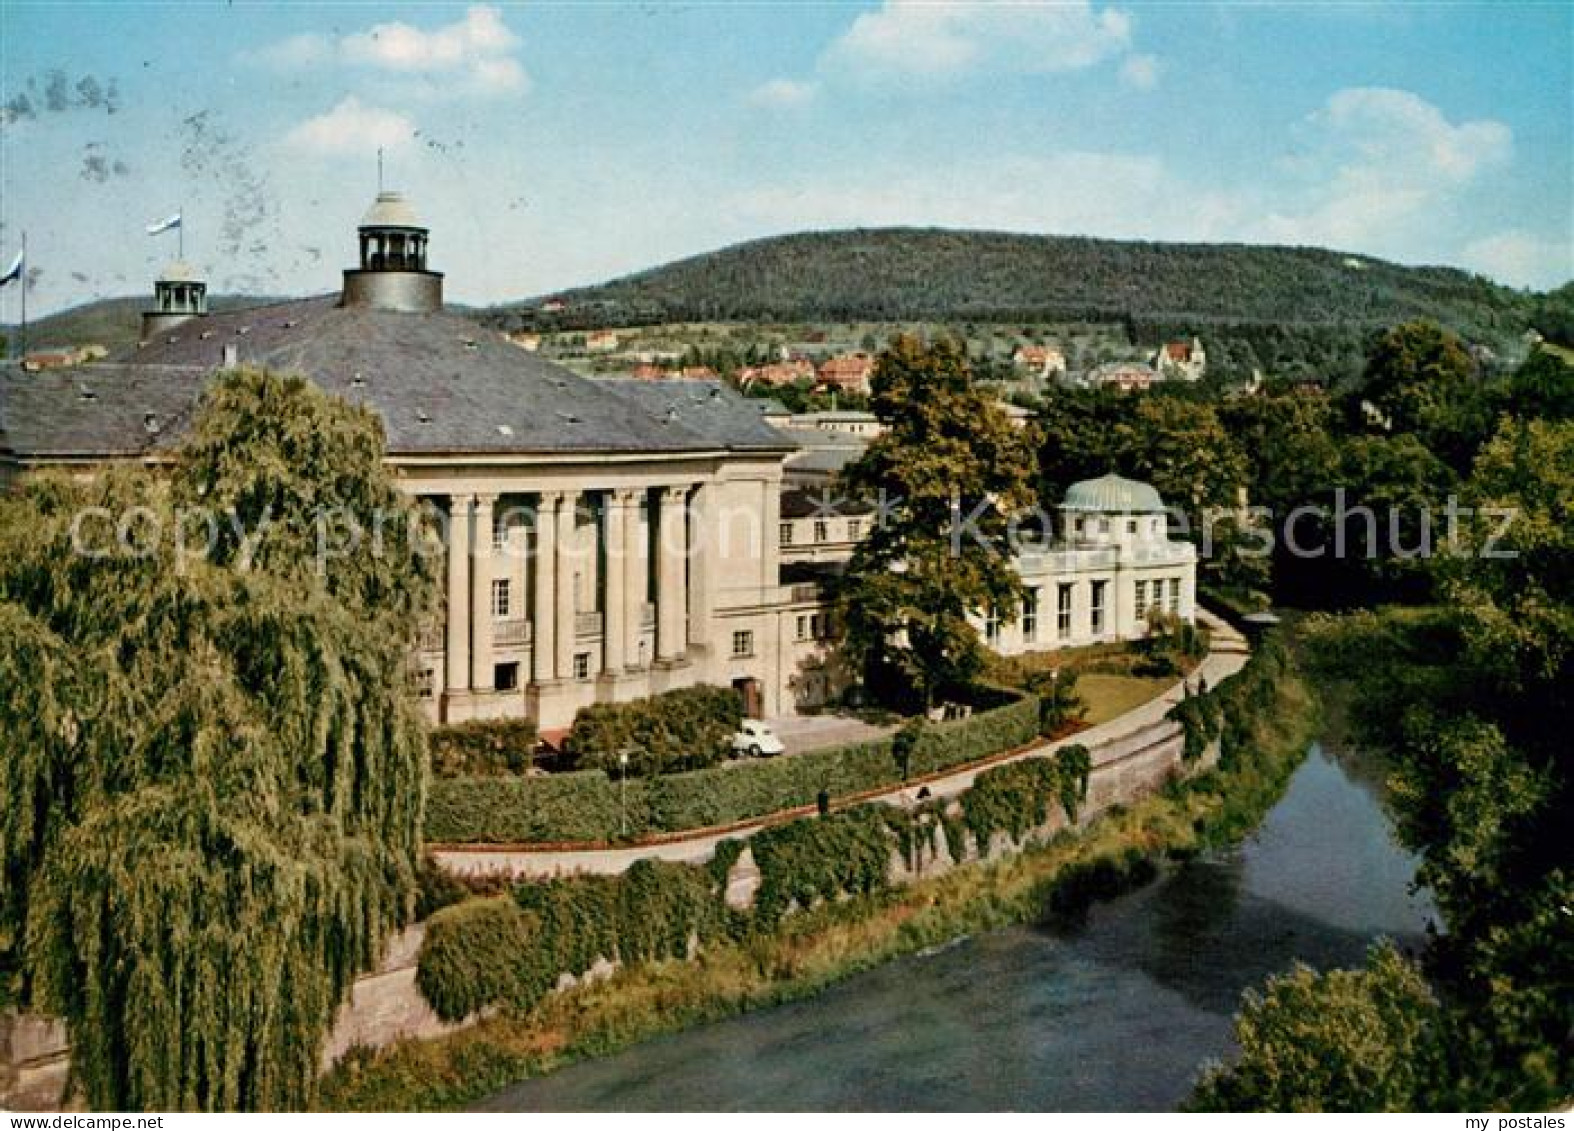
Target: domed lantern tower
x,y
1112,511
178,295
393,274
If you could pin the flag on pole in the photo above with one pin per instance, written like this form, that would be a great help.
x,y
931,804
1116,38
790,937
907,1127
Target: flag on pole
x,y
164,225
14,272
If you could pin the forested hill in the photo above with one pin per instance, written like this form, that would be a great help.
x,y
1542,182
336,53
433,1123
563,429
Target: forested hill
x,y
931,274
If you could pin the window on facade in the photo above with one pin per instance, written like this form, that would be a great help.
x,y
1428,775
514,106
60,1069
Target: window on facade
x,y
822,530
743,643
502,598
1063,611
855,529
1140,605
1131,526
786,534
581,665
505,677
1103,526
424,681
1175,583
499,531
992,627
803,626
1097,608
1030,616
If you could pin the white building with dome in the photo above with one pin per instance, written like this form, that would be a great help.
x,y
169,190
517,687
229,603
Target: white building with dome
x,y
1109,565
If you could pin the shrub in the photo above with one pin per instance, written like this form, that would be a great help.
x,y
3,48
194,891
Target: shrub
x,y
802,862
489,747
548,807
471,958
585,805
686,729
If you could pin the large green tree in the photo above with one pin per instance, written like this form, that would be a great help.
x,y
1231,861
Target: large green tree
x,y
949,475
213,772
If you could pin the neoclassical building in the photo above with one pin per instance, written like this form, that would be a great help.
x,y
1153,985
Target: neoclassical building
x,y
607,539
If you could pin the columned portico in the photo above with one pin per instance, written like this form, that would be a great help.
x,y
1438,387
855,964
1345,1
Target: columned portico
x,y
635,582
701,570
567,554
543,613
458,628
616,520
481,670
671,585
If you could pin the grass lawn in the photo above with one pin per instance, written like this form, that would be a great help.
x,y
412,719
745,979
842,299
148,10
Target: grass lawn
x,y
1108,695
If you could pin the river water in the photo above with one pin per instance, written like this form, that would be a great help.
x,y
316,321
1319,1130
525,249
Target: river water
x,y
1115,1014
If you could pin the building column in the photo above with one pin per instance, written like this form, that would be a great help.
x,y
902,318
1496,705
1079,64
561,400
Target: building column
x,y
635,580
671,606
543,608
481,669
458,628
702,574
567,556
616,611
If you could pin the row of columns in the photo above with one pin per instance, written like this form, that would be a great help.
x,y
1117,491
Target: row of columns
x,y
682,583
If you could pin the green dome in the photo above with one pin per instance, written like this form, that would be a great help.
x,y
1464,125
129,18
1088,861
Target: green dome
x,y
1113,495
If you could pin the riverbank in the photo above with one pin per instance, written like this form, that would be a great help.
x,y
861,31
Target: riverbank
x,y
809,951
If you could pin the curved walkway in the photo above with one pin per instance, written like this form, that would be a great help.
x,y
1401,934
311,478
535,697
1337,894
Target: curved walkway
x,y
1227,656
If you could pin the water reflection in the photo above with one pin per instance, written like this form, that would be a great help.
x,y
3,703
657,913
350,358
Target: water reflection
x,y
1115,1014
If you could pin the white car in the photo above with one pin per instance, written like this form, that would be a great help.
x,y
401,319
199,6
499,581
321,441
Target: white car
x,y
756,739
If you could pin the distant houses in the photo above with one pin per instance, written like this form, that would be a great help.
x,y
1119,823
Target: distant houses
x,y
1183,361
1127,376
777,373
848,373
1040,361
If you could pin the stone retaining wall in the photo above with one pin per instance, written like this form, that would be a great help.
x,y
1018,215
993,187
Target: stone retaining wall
x,y
385,1005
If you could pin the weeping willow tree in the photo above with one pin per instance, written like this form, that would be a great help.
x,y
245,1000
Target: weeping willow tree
x,y
212,774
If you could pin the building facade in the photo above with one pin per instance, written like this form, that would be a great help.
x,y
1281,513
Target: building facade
x,y
606,539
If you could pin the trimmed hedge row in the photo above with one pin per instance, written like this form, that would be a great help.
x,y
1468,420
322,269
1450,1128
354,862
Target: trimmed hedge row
x,y
585,806
491,747
472,956
548,807
687,729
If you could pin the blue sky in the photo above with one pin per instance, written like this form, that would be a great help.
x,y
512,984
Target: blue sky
x,y
550,144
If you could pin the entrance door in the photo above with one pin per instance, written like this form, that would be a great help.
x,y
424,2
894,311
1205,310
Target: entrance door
x,y
753,700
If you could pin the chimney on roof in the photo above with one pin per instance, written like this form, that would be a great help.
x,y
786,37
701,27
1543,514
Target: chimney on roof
x,y
393,274
179,295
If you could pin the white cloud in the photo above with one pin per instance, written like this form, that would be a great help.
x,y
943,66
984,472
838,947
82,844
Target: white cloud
x,y
782,93
352,128
1521,259
1381,171
908,37
475,54
1140,72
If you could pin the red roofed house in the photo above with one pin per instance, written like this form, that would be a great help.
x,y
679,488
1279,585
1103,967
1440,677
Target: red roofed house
x,y
1045,361
1183,360
648,372
849,373
780,373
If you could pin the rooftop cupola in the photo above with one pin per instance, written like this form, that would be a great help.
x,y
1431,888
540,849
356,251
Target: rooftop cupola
x,y
393,274
179,294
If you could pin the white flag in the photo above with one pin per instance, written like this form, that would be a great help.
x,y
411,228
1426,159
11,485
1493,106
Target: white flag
x,y
164,225
13,272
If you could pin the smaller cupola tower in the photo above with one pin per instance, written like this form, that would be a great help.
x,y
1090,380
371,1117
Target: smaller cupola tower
x,y
178,296
393,274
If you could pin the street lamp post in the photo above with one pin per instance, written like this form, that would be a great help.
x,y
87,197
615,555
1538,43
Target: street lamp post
x,y
623,794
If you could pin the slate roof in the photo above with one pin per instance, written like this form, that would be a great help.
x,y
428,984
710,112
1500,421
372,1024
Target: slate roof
x,y
441,384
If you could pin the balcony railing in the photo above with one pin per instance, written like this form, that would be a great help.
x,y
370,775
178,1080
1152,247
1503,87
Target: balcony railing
x,y
511,632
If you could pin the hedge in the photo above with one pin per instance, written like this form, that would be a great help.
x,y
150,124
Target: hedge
x,y
546,807
686,729
471,958
585,806
489,747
